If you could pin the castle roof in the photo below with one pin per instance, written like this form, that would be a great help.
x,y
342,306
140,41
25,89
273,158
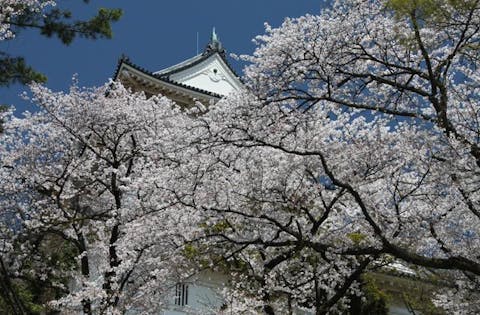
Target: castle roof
x,y
205,77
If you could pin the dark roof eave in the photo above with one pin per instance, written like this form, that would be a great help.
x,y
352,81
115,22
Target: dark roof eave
x,y
125,60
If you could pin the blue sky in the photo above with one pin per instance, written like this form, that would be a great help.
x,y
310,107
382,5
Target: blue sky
x,y
153,33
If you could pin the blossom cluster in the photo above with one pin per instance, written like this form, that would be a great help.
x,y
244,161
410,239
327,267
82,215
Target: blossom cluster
x,y
10,9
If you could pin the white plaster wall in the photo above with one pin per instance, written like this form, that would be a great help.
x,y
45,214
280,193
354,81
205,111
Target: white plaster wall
x,y
203,295
204,82
211,75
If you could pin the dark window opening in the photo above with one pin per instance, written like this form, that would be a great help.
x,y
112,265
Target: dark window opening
x,y
181,294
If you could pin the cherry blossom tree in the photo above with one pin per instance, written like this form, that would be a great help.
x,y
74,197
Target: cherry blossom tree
x,y
356,144
84,179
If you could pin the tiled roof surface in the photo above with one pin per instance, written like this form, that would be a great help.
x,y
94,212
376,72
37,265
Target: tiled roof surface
x,y
195,61
162,77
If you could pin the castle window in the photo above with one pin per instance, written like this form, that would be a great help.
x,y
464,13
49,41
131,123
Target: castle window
x,y
181,294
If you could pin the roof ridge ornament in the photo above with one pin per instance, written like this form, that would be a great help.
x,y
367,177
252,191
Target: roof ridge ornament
x,y
214,36
215,45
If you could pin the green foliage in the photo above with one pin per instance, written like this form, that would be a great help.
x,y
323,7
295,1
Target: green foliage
x,y
28,293
437,14
54,22
356,238
377,298
190,251
220,227
15,70
433,10
2,109
374,302
32,291
406,7
420,299
414,294
64,255
198,255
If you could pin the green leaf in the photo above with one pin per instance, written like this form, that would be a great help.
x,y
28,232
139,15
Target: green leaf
x,y
15,70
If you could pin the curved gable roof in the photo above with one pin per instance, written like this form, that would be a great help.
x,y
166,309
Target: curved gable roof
x,y
206,76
